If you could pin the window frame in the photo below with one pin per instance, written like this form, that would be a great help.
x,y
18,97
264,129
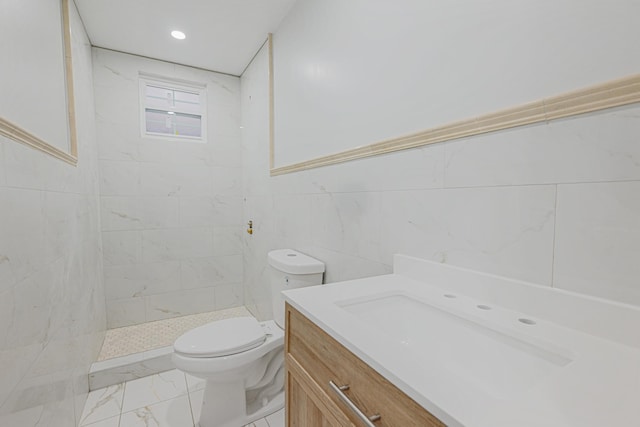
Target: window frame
x,y
172,84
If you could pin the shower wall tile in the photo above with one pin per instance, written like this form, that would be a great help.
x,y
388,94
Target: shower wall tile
x,y
219,210
227,210
119,213
169,179
179,303
159,151
52,311
125,312
130,281
121,248
171,210
198,211
158,212
120,147
227,240
227,181
176,244
228,296
119,178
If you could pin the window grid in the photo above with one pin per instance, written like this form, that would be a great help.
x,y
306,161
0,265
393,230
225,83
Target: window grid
x,y
172,110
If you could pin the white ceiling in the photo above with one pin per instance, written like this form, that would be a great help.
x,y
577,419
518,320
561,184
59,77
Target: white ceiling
x,y
222,35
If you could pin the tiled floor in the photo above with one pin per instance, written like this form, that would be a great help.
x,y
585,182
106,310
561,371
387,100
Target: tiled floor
x,y
148,336
169,399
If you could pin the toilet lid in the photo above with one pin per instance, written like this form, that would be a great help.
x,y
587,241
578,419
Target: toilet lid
x,y
221,338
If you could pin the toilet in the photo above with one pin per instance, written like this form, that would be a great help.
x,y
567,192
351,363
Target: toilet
x,y
241,359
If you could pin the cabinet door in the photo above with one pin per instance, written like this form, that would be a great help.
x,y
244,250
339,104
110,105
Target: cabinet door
x,y
302,410
316,359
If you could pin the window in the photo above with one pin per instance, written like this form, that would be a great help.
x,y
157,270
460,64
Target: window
x,y
172,109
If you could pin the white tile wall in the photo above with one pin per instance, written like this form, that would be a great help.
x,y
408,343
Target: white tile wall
x,y
595,147
171,210
52,314
597,238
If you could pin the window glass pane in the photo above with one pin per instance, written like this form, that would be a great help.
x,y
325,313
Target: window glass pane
x,y
187,102
188,125
159,122
159,97
176,124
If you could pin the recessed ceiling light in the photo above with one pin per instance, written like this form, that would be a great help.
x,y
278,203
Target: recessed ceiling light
x,y
178,35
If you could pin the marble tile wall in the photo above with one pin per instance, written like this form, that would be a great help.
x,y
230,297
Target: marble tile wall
x,y
52,311
171,212
555,204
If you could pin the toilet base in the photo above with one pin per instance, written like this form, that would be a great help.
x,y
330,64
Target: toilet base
x,y
217,401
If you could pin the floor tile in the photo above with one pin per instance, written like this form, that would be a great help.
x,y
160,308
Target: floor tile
x,y
109,422
195,398
156,388
102,404
170,413
276,419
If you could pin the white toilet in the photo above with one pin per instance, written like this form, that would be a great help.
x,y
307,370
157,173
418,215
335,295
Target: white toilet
x,y
243,359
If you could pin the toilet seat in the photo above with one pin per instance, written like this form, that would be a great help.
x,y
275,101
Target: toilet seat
x,y
221,338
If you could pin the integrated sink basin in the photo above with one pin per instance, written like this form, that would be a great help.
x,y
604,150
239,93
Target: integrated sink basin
x,y
498,358
479,350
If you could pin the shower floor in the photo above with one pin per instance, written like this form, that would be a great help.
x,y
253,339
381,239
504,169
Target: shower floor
x,y
161,333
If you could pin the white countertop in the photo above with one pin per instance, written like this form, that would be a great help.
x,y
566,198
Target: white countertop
x,y
565,376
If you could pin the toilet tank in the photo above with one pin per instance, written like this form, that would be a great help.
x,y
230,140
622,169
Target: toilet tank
x,y
290,269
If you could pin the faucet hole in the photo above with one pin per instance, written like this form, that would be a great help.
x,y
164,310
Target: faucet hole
x,y
527,321
450,296
484,307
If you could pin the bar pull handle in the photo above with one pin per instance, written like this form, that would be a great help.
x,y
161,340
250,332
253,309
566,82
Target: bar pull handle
x,y
368,421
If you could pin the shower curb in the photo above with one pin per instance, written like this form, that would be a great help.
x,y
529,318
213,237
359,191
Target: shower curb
x,y
133,366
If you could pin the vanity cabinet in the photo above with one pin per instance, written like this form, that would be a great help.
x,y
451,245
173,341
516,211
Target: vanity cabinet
x,y
326,384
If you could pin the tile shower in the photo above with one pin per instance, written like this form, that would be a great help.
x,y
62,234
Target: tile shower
x,y
171,212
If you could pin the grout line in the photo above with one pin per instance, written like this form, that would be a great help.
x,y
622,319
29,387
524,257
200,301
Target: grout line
x,y
193,420
553,248
440,188
124,392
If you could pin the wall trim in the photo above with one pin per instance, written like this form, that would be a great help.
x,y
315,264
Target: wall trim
x,y
18,134
271,104
611,94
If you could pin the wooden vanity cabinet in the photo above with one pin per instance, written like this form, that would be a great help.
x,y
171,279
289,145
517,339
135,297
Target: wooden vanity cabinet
x,y
313,359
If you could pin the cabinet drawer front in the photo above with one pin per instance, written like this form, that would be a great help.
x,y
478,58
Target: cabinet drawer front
x,y
327,360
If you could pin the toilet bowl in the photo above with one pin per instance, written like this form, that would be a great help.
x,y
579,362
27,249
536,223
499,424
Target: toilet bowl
x,y
241,359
